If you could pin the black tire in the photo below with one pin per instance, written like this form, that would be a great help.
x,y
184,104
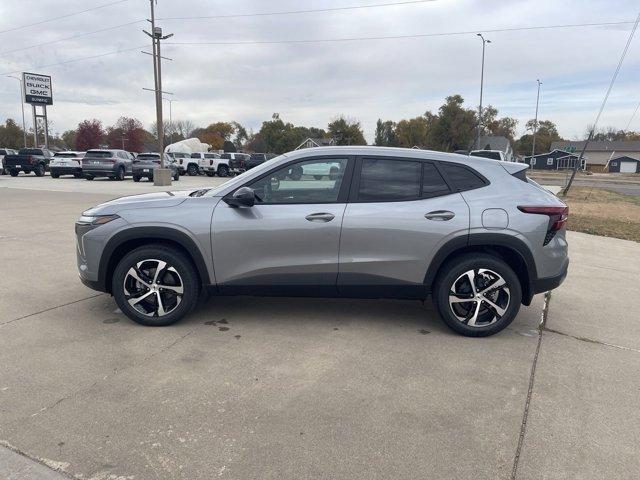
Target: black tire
x,y
455,269
176,177
210,174
14,173
39,170
223,171
318,177
187,276
136,178
120,174
192,170
77,175
55,175
89,177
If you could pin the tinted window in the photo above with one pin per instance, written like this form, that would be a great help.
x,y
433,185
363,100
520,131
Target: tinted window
x,y
463,178
226,156
389,180
148,156
67,155
3,152
195,155
98,154
433,184
310,181
31,151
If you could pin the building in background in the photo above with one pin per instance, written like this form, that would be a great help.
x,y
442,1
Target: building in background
x,y
555,160
316,142
496,142
624,164
599,153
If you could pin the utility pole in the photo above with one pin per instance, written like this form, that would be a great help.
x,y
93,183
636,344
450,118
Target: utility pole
x,y
156,37
24,126
535,122
484,43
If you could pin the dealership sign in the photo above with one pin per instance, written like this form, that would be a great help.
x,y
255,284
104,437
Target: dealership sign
x,y
37,89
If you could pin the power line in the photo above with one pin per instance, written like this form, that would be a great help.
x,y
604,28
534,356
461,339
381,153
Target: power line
x,y
400,37
626,129
13,29
295,12
395,37
78,59
7,52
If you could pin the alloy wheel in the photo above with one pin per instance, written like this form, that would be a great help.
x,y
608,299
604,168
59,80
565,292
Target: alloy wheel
x,y
153,288
479,297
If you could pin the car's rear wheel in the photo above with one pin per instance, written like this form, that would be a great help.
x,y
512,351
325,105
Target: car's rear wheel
x,y
39,170
176,176
155,285
136,178
120,174
14,173
192,170
89,177
477,295
223,171
55,174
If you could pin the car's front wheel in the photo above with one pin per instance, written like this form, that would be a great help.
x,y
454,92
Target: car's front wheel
x,y
477,295
155,285
192,170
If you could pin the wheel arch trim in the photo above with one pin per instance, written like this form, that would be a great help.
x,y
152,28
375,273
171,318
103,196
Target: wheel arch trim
x,y
151,234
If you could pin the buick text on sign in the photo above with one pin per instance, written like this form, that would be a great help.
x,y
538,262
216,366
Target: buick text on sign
x,y
37,89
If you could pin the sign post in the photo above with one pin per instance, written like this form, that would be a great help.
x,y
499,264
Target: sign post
x,y
38,91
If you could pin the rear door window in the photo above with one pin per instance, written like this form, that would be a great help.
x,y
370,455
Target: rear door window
x,y
389,180
433,185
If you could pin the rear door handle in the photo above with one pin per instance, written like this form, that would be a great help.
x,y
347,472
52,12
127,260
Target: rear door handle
x,y
320,217
439,215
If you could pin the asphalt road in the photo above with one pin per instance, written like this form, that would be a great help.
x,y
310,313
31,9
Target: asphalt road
x,y
260,388
625,187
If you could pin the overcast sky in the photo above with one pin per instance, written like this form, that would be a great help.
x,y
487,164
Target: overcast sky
x,y
311,83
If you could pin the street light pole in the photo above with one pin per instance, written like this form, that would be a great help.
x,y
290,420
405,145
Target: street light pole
x,y
535,122
170,100
484,43
24,127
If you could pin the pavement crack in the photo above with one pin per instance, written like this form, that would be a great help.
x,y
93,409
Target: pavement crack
x,y
591,340
532,376
49,309
115,372
35,459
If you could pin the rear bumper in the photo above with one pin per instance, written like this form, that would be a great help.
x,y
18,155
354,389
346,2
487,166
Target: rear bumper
x,y
65,170
545,284
99,172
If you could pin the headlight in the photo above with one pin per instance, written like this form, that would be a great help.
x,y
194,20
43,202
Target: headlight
x,y
97,219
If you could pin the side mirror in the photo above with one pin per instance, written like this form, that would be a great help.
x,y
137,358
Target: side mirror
x,y
243,197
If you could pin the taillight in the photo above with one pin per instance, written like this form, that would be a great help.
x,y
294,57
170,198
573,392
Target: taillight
x,y
180,161
557,218
210,162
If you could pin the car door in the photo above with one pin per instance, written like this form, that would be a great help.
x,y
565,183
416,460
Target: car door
x,y
288,241
400,212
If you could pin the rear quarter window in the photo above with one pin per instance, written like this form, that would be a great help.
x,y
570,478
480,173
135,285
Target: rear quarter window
x,y
463,177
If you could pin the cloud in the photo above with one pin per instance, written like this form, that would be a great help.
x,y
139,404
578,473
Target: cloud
x,y
311,83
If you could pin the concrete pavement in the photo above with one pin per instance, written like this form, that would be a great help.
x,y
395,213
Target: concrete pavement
x,y
308,388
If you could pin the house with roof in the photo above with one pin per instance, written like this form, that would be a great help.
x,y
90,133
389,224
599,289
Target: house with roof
x,y
555,160
624,164
316,142
601,152
497,142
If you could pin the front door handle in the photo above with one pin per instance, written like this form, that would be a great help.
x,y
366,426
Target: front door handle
x,y
439,215
320,217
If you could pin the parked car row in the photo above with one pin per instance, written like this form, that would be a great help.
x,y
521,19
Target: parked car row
x,y
118,164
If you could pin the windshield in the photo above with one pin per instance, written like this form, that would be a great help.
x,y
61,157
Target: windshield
x,y
29,151
98,154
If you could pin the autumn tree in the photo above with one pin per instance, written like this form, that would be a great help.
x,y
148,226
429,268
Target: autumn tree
x,y
127,134
215,134
11,134
546,134
455,126
69,139
385,135
89,134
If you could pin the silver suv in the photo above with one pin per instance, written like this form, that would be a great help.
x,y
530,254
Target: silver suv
x,y
367,222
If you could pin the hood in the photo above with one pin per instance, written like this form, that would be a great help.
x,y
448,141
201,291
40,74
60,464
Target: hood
x,y
147,200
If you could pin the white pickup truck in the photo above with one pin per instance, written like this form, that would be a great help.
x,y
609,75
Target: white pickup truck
x,y
212,164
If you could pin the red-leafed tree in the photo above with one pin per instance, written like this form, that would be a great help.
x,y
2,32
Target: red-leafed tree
x,y
127,134
89,134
